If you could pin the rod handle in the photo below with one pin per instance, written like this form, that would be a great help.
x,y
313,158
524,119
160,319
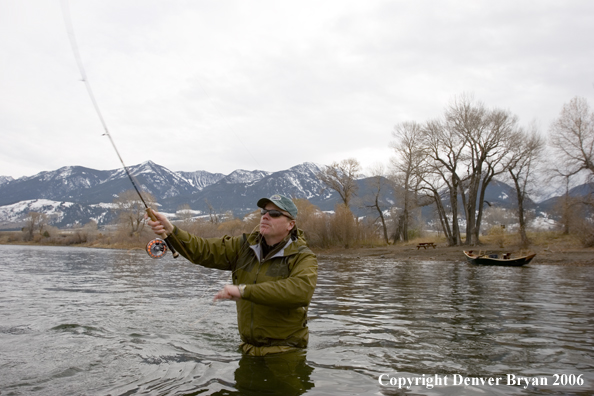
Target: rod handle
x,y
151,214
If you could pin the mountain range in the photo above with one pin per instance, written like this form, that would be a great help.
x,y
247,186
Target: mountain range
x,y
75,195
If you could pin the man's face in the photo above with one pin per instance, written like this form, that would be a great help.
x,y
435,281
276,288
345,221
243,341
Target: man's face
x,y
275,229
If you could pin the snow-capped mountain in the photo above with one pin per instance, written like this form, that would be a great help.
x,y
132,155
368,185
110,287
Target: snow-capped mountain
x,y
240,190
78,194
67,183
5,179
60,214
90,186
75,194
241,176
201,179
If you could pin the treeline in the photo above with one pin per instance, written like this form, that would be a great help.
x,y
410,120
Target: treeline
x,y
446,162
449,161
322,230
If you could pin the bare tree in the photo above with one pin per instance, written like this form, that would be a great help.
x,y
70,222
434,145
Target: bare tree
x,y
433,186
131,210
343,226
572,138
377,183
213,216
444,150
90,231
342,178
184,213
35,221
493,148
527,149
487,136
461,152
406,164
566,208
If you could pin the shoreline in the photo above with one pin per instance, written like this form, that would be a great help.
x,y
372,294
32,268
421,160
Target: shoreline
x,y
554,255
558,254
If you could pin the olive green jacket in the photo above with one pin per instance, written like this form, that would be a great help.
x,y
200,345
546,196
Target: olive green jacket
x,y
279,287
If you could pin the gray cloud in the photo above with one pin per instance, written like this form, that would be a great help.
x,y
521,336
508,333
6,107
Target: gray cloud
x,y
264,84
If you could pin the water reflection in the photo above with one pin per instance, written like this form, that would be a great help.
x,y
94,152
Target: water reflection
x,y
378,316
283,374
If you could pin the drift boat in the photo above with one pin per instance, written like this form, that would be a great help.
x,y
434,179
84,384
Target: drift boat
x,y
495,259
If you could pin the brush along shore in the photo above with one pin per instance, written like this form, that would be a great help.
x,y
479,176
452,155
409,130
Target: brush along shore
x,y
550,248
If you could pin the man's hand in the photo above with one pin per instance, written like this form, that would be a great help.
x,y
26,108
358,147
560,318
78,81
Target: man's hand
x,y
229,292
162,226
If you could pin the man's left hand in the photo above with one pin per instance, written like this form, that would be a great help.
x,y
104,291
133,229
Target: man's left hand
x,y
229,292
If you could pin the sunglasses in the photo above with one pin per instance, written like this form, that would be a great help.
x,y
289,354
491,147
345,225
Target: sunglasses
x,y
274,213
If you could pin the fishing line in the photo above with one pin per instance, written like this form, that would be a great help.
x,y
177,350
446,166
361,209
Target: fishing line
x,y
154,247
81,69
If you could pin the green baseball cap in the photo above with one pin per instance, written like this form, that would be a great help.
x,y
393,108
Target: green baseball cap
x,y
282,202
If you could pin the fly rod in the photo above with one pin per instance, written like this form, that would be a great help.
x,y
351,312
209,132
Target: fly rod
x,y
151,247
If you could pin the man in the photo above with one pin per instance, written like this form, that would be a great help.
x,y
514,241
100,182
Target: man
x,y
274,275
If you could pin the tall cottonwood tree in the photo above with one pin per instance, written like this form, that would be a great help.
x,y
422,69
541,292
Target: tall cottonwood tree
x,y
444,150
572,138
463,151
475,141
406,164
342,178
435,189
527,150
572,141
489,134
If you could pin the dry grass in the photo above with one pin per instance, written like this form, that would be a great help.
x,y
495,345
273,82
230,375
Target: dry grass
x,y
550,247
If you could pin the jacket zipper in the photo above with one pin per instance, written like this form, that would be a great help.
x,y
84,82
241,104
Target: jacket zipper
x,y
252,304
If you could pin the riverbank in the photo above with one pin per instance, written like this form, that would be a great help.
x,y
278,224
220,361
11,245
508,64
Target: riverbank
x,y
551,249
551,254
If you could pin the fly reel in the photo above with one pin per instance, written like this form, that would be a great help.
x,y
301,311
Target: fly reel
x,y
156,248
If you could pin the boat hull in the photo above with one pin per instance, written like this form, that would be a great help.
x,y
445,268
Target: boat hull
x,y
486,260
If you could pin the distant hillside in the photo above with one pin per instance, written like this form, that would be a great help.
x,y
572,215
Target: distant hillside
x,y
75,195
550,204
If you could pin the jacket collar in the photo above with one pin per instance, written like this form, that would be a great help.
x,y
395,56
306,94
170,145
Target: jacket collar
x,y
290,246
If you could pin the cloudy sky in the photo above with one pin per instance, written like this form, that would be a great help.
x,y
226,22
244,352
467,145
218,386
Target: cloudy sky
x,y
225,85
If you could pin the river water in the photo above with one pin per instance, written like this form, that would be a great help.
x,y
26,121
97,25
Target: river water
x,y
76,321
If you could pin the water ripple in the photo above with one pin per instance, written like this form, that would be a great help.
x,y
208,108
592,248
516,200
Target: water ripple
x,y
83,321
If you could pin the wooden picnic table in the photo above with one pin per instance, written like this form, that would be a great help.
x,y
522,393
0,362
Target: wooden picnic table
x,y
425,245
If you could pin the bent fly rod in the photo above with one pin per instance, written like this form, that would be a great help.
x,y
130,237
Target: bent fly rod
x,y
155,248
